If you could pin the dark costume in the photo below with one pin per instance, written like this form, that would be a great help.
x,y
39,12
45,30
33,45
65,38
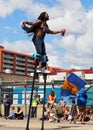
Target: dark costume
x,y
39,40
7,104
39,29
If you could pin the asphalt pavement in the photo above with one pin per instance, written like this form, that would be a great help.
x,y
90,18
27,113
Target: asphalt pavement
x,y
36,124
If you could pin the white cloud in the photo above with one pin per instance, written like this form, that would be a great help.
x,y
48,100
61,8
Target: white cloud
x,y
76,45
20,46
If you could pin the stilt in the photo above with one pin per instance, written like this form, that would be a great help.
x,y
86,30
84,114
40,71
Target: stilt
x,y
28,119
35,63
45,77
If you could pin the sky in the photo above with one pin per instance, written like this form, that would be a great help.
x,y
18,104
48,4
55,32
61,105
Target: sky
x,y
72,51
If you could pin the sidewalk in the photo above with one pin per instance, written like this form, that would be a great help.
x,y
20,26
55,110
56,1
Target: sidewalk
x,y
35,124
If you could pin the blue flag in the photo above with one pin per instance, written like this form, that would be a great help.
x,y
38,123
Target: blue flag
x,y
77,81
66,94
72,85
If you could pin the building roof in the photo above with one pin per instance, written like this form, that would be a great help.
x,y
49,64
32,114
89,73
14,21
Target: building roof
x,y
55,70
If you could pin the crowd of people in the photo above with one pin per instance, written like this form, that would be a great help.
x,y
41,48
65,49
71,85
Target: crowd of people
x,y
11,112
72,114
62,111
15,114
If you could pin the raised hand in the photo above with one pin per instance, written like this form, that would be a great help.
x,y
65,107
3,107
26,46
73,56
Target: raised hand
x,y
63,32
23,23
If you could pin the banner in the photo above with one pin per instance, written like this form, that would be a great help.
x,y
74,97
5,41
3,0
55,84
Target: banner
x,y
66,94
72,85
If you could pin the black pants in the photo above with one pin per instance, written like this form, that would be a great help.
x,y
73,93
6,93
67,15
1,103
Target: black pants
x,y
40,48
6,110
39,45
19,116
33,112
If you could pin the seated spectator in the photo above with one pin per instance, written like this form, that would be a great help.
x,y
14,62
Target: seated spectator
x,y
91,115
46,114
51,98
12,114
66,113
19,114
62,103
52,116
87,116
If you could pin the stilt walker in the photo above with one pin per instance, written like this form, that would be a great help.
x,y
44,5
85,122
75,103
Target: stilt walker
x,y
38,30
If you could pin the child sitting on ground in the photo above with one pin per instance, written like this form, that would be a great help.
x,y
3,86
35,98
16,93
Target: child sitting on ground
x,y
12,114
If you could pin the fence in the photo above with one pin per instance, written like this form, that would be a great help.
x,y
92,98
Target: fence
x,y
20,93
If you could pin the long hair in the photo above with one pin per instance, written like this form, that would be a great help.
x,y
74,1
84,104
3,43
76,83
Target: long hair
x,y
42,16
31,30
52,93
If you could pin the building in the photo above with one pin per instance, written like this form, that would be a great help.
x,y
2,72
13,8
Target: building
x,y
15,62
21,64
15,75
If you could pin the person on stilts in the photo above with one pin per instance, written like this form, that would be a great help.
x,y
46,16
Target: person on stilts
x,y
40,28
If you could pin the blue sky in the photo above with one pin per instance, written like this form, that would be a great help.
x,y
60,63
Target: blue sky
x,y
74,50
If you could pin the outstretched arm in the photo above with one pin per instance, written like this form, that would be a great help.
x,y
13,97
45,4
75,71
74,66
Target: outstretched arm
x,y
31,23
56,32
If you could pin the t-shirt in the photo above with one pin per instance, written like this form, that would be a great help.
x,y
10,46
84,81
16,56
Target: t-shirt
x,y
35,102
12,113
51,99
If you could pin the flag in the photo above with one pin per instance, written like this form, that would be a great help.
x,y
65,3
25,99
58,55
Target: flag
x,y
66,94
72,85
